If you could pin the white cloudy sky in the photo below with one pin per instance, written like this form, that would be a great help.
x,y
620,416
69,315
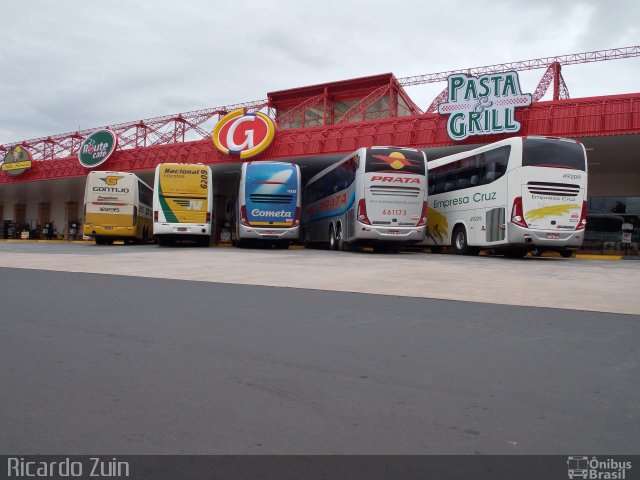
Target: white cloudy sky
x,y
81,64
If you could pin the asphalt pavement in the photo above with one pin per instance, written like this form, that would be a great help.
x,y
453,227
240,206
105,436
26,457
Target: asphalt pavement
x,y
131,365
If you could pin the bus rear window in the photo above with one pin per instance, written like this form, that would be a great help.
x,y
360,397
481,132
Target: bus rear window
x,y
391,160
544,152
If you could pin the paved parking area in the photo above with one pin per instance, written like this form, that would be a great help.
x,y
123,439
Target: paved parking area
x,y
604,286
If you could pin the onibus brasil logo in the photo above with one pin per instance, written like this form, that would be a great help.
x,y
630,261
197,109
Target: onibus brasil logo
x,y
97,148
483,105
594,468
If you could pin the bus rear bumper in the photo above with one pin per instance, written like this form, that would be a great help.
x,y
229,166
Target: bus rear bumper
x,y
181,229
548,239
269,233
390,234
101,231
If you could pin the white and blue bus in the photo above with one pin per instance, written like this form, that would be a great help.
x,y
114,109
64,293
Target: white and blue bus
x,y
267,209
374,197
519,195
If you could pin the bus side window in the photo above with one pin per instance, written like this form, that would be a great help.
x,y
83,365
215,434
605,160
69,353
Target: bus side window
x,y
496,162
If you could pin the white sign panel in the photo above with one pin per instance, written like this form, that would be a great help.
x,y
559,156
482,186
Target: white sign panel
x,y
483,105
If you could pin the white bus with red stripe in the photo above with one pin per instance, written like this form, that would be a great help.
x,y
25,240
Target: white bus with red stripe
x,y
519,195
374,197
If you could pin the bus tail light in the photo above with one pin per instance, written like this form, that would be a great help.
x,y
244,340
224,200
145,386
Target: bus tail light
x,y
243,215
423,215
208,217
155,215
135,215
362,212
517,216
296,218
583,217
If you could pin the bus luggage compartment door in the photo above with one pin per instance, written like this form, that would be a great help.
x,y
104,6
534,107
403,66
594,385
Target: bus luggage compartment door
x,y
495,225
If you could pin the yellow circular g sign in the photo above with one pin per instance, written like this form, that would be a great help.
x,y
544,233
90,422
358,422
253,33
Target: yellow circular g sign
x,y
243,134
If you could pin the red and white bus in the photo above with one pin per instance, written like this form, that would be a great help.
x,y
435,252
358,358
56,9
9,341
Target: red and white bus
x,y
376,197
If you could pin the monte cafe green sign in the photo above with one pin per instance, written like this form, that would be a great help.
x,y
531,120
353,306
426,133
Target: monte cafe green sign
x,y
483,105
97,148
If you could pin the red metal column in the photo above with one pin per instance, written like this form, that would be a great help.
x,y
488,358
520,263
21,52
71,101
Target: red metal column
x,y
556,80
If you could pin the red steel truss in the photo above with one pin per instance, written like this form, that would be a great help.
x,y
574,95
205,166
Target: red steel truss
x,y
141,133
536,63
585,117
552,75
179,128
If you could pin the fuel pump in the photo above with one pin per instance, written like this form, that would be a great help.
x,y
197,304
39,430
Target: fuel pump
x,y
73,230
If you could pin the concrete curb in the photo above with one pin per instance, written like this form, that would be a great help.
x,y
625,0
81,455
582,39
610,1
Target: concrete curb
x,y
581,256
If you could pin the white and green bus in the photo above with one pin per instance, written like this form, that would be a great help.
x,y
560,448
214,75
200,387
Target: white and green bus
x,y
519,195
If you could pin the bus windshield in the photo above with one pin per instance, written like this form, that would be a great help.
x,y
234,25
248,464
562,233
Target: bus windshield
x,y
271,174
545,152
389,160
190,181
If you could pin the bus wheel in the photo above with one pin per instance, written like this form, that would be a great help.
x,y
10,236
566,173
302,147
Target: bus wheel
x,y
460,243
339,241
333,242
566,253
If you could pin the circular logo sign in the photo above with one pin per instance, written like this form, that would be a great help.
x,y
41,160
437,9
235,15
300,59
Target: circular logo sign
x,y
17,161
243,134
97,148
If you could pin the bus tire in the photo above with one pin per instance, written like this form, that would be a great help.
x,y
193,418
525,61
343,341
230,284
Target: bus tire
x,y
333,241
461,243
339,240
566,253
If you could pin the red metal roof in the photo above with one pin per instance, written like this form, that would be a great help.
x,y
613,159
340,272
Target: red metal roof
x,y
581,117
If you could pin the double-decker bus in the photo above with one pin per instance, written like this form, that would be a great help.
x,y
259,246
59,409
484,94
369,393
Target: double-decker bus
x,y
514,196
374,197
267,209
182,203
117,206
